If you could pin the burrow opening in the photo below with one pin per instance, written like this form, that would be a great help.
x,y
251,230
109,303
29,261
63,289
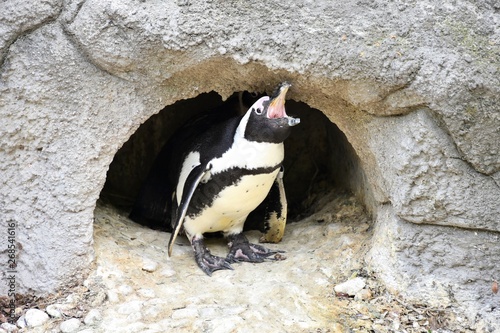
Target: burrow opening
x,y
318,157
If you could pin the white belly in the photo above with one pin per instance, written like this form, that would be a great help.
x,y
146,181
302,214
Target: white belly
x,y
231,207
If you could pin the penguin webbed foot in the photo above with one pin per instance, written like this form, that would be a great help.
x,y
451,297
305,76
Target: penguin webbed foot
x,y
242,250
206,261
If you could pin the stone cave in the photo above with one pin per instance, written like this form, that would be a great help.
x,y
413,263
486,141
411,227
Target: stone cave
x,y
393,176
318,157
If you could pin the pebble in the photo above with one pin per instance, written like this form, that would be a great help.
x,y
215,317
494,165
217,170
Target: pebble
x,y
113,296
125,289
87,330
149,265
94,316
146,293
167,272
363,295
70,325
226,324
2,330
208,312
54,311
135,327
185,313
8,327
337,328
21,322
130,307
350,287
99,299
35,317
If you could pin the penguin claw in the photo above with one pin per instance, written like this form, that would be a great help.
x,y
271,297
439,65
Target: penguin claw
x,y
242,250
209,264
206,261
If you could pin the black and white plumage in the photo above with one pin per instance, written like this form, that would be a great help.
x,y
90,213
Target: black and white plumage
x,y
231,171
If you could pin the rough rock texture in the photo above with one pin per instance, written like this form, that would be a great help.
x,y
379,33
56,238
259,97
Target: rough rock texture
x,y
414,86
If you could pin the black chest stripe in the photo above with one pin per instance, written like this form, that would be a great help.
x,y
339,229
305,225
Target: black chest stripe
x,y
207,192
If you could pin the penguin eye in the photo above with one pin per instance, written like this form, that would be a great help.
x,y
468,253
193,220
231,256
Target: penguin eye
x,y
258,111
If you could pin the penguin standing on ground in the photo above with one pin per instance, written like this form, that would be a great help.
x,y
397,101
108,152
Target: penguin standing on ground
x,y
226,173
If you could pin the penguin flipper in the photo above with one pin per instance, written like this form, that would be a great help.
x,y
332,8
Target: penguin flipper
x,y
190,186
276,212
270,216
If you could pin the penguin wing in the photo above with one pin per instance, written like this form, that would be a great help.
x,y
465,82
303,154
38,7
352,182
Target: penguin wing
x,y
276,212
270,216
190,186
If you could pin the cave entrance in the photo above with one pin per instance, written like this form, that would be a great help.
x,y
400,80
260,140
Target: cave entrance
x,y
318,157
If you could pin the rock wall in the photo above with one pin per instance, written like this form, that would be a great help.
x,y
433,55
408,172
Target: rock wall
x,y
413,85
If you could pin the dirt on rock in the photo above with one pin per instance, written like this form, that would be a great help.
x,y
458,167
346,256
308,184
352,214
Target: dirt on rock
x,y
136,287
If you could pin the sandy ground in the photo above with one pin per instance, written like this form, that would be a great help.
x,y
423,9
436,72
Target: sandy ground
x,y
136,287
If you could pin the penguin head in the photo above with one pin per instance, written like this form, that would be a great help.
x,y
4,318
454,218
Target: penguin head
x,y
267,118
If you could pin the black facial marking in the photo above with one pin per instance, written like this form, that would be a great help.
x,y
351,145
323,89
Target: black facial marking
x,y
262,129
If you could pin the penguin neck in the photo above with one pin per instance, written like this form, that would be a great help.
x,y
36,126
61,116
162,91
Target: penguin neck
x,y
254,154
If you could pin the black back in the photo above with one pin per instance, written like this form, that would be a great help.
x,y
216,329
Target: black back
x,y
153,205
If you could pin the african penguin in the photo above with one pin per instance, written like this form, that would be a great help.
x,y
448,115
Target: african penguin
x,y
227,173
152,206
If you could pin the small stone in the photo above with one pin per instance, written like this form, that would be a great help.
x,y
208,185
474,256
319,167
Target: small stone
x,y
54,311
8,327
130,307
125,289
35,317
93,317
99,299
226,324
21,322
146,293
208,312
149,265
350,287
363,295
113,296
167,272
222,50
185,313
70,325
72,301
337,328
135,327
234,310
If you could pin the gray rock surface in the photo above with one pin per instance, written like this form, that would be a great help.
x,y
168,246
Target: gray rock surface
x,y
415,87
411,256
18,17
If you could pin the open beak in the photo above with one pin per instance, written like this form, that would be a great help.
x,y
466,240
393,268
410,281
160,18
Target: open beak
x,y
276,108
